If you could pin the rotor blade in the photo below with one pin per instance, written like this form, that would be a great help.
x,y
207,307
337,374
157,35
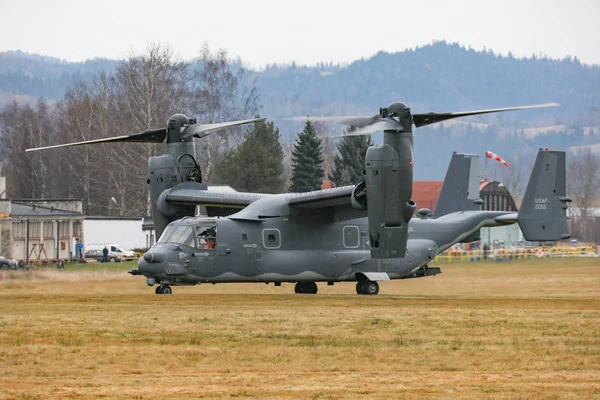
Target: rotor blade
x,y
201,131
381,125
149,136
358,122
432,118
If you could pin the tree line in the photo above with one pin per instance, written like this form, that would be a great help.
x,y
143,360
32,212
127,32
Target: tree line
x,y
142,93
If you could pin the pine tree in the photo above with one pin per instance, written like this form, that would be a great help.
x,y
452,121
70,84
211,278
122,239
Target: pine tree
x,y
349,162
307,173
256,165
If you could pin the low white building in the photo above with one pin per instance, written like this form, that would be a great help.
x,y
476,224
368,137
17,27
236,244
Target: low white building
x,y
124,231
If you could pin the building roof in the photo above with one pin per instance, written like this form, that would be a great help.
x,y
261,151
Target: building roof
x,y
327,184
32,210
111,218
426,193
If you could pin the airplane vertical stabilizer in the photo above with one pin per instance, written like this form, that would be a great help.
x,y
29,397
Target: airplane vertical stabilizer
x,y
460,190
543,213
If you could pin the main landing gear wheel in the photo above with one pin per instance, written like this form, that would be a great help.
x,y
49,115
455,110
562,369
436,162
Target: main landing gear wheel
x,y
306,287
367,287
163,289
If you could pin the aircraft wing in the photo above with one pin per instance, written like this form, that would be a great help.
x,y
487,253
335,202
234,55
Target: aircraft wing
x,y
321,198
196,193
280,205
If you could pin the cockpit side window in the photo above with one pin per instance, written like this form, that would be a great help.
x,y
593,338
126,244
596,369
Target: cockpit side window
x,y
206,237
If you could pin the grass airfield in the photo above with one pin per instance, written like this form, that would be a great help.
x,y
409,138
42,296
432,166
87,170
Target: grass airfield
x,y
522,329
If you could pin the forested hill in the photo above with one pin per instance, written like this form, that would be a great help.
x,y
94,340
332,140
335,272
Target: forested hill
x,y
23,74
440,77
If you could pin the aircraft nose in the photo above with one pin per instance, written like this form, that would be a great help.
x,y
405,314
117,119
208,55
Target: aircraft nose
x,y
154,256
151,268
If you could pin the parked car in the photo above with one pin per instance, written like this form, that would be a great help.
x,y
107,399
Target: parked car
x,y
116,249
97,255
8,263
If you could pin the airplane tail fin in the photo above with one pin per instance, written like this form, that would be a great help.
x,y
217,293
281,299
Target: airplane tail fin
x,y
460,190
543,213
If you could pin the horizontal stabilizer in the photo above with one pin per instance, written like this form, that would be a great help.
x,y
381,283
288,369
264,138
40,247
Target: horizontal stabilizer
x,y
507,219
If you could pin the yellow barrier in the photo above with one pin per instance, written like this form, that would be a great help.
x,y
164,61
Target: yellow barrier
x,y
504,254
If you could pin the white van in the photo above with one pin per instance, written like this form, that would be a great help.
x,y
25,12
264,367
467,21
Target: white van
x,y
114,249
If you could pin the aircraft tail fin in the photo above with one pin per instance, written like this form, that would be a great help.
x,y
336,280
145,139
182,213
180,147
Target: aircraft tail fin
x,y
460,190
543,213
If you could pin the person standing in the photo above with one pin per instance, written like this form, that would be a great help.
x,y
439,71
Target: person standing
x,y
105,254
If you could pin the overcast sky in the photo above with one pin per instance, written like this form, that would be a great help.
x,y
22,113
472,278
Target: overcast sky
x,y
307,31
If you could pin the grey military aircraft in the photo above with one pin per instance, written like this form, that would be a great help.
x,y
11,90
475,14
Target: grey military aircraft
x,y
322,235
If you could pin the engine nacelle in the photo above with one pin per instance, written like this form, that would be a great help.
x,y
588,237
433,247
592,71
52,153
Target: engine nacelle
x,y
165,172
388,177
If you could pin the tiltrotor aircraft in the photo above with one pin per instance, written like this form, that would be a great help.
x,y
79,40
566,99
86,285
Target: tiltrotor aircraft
x,y
356,233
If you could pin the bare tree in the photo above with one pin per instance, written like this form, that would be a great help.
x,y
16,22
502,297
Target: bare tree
x,y
583,186
149,89
81,167
13,155
287,145
23,127
142,94
219,93
514,177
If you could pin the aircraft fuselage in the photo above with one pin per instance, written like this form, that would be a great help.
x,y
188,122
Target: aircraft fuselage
x,y
294,249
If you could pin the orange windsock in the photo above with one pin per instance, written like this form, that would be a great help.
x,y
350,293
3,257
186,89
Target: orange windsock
x,y
496,157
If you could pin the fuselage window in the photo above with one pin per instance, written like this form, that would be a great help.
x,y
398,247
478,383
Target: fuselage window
x,y
206,237
351,237
271,238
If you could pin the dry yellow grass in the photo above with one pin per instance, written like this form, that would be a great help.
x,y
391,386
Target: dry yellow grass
x,y
496,330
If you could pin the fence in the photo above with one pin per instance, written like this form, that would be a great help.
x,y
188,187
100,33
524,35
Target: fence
x,y
518,254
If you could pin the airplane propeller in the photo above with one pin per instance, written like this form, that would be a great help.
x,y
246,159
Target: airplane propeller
x,y
188,129
389,119
200,131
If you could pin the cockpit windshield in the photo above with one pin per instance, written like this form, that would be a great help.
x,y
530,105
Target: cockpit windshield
x,y
178,234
